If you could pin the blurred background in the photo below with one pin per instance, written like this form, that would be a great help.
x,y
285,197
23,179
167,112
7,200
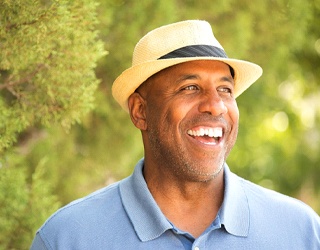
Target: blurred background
x,y
63,136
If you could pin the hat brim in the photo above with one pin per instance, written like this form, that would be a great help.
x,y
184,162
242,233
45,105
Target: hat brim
x,y
246,73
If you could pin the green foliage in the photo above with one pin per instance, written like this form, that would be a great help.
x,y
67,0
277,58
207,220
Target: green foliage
x,y
47,55
24,206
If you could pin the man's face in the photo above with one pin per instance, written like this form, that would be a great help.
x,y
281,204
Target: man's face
x,y
191,119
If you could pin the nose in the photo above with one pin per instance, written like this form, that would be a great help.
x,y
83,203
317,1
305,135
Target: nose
x,y
213,104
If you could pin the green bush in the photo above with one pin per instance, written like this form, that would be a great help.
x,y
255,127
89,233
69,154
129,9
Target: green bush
x,y
24,205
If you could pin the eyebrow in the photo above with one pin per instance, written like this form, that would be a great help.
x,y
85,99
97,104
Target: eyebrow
x,y
227,79
188,77
197,77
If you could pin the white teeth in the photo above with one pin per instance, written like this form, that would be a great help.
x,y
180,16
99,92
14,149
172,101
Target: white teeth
x,y
211,132
201,132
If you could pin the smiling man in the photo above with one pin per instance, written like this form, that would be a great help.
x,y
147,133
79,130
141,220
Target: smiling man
x,y
189,121
180,93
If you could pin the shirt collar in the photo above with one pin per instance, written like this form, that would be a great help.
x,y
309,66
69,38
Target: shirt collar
x,y
234,213
147,219
149,222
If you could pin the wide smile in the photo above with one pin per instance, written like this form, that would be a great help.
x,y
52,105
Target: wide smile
x,y
207,135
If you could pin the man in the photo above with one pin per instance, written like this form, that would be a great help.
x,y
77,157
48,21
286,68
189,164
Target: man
x,y
180,92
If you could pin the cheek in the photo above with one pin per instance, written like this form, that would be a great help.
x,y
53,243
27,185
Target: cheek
x,y
173,111
233,112
233,116
177,115
160,120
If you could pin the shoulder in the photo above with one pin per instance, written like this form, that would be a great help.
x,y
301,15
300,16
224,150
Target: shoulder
x,y
277,204
98,200
85,219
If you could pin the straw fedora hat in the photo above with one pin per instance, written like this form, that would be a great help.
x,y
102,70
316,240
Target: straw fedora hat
x,y
177,43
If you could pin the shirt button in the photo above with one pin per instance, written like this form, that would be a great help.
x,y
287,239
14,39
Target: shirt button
x,y
196,248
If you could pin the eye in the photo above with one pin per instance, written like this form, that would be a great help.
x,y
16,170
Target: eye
x,y
226,90
190,87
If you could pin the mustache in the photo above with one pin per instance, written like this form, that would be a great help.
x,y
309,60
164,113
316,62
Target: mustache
x,y
207,118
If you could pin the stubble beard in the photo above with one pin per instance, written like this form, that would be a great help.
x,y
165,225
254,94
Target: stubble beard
x,y
176,160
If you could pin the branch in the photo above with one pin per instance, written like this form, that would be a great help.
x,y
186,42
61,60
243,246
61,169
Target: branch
x,y
17,25
9,84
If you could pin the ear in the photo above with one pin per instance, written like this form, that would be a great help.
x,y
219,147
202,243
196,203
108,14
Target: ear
x,y
137,111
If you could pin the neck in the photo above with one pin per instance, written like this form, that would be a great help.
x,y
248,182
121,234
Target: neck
x,y
189,205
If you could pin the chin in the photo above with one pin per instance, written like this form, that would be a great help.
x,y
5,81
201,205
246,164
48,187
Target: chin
x,y
202,175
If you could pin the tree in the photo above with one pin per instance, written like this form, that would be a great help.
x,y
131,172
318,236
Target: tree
x,y
24,206
44,77
48,53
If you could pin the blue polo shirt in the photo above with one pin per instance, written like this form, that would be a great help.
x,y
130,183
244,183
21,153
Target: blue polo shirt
x,y
124,215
